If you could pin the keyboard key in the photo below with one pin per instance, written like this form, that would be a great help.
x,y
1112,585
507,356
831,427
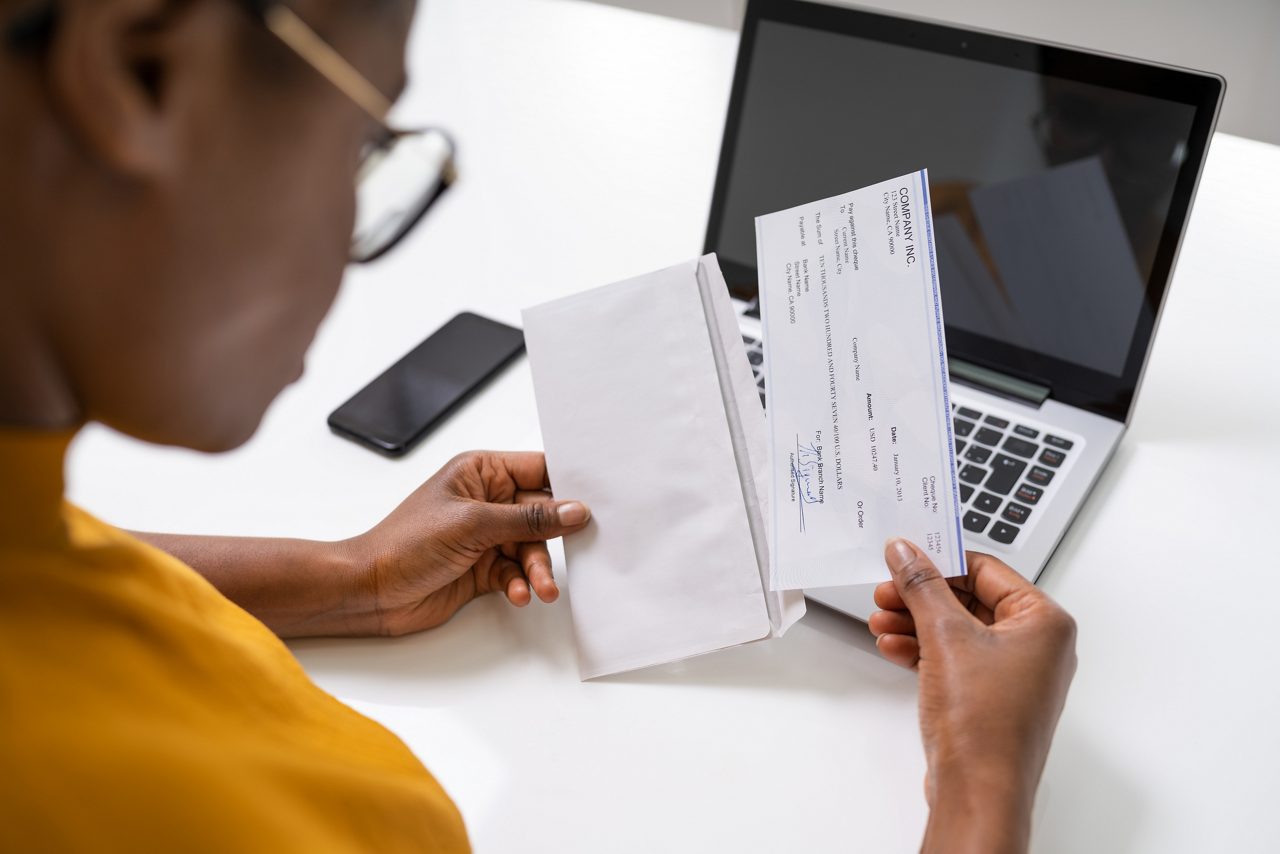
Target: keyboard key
x,y
1023,430
760,382
762,403
978,454
973,474
965,491
1050,457
1021,447
1016,513
963,428
1005,473
1058,442
1028,494
970,413
1039,476
1002,533
960,443
976,522
987,436
749,341
755,357
996,422
987,503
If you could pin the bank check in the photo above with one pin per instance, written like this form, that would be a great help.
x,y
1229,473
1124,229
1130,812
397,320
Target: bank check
x,y
856,375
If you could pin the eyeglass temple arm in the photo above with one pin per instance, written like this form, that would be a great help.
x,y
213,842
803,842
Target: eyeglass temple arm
x,y
321,56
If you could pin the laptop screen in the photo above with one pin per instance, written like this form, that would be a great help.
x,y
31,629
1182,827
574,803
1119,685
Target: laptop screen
x,y
1059,179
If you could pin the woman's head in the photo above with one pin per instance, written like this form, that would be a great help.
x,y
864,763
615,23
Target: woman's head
x,y
179,203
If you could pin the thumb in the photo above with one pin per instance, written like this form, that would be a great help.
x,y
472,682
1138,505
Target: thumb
x,y
528,520
926,593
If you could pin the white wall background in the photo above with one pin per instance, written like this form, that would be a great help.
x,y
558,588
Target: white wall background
x,y
1239,39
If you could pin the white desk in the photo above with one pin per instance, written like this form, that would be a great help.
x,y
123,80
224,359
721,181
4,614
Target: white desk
x,y
589,137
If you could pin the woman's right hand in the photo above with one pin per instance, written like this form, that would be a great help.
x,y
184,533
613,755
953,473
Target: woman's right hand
x,y
995,657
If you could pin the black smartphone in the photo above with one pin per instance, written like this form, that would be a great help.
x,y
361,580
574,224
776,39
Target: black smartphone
x,y
395,411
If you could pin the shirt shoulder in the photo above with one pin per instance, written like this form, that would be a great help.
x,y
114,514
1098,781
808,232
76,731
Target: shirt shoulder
x,y
140,709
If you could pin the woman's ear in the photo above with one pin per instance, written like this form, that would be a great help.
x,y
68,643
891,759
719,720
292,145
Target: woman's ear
x,y
109,63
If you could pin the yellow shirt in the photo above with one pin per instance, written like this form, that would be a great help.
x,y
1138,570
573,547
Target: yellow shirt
x,y
140,710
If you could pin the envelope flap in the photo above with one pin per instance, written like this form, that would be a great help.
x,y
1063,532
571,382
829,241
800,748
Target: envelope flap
x,y
749,431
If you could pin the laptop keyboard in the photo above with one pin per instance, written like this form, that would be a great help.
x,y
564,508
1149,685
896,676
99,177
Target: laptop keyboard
x,y
1007,465
1007,468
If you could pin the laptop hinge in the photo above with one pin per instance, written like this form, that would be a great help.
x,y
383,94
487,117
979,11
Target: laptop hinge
x,y
998,383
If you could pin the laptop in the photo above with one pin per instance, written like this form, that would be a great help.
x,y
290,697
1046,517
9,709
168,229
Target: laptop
x,y
1061,182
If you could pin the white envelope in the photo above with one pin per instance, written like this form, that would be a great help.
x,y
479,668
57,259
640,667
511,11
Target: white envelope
x,y
650,415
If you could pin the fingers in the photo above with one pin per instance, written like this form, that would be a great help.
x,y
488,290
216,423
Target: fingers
x,y
891,623
971,602
536,563
994,582
887,597
921,587
535,559
527,520
902,650
527,469
491,474
519,531
509,578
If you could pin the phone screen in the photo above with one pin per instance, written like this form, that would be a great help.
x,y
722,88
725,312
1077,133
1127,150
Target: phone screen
x,y
396,410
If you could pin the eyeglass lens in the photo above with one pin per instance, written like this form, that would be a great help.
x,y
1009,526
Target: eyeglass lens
x,y
397,183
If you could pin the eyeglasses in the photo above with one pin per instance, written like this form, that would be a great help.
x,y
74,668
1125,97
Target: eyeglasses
x,y
402,173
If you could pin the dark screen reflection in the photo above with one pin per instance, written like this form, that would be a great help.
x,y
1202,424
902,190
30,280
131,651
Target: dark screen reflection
x,y
1049,195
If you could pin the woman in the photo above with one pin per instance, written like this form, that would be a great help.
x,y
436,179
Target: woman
x,y
178,215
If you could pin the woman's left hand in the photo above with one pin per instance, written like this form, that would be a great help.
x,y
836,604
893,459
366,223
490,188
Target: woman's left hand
x,y
479,525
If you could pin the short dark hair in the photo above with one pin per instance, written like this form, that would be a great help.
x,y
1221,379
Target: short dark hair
x,y
30,30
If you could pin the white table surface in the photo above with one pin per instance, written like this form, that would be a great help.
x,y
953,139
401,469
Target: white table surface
x,y
589,136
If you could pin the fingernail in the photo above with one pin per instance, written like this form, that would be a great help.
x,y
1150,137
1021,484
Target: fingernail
x,y
572,513
898,553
